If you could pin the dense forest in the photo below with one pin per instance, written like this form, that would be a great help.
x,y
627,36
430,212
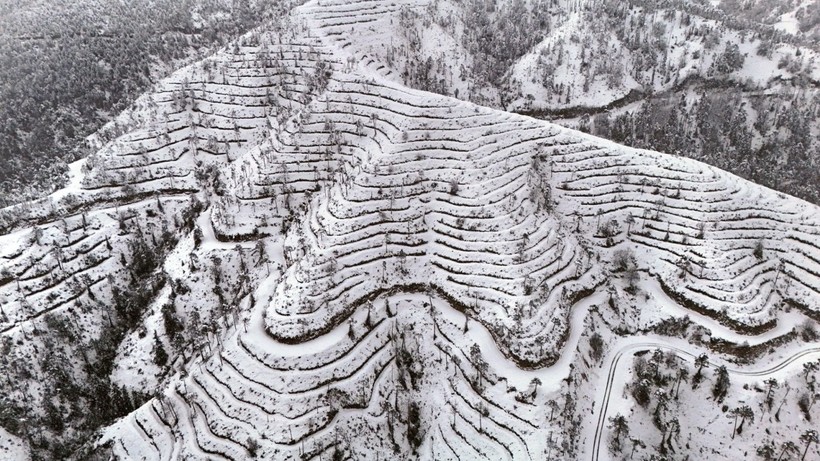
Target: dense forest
x,y
765,138
67,69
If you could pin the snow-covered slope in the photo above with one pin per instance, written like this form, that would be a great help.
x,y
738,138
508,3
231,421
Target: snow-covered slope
x,y
366,270
604,65
548,56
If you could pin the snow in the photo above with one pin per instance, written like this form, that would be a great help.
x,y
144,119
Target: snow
x,y
782,366
75,177
371,200
528,70
10,243
660,306
258,335
758,68
134,367
209,240
13,448
788,23
551,376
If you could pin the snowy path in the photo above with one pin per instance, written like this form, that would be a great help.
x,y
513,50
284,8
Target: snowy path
x,y
616,374
786,320
209,239
74,186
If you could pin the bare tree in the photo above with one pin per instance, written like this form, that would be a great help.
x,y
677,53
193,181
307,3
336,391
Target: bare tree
x,y
535,383
734,413
766,451
635,444
808,437
663,398
721,387
771,384
479,363
746,413
683,375
483,412
553,406
673,428
809,368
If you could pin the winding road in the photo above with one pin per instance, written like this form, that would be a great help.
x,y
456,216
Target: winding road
x,y
649,345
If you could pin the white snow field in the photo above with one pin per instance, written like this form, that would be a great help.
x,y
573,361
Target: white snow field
x,y
419,273
12,448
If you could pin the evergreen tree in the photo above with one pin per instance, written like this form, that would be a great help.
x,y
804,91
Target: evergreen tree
x,y
160,355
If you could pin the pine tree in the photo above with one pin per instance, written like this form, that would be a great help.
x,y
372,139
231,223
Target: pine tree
x,y
721,387
160,355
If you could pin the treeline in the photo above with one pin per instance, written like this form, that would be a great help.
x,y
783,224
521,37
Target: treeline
x,y
769,12
766,138
496,34
69,68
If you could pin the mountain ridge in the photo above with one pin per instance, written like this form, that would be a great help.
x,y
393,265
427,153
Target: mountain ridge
x,y
279,193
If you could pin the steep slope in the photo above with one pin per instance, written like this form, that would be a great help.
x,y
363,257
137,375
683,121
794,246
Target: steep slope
x,y
288,255
647,74
794,16
66,69
549,56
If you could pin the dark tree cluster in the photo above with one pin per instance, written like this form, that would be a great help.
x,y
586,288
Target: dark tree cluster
x,y
78,394
766,139
66,70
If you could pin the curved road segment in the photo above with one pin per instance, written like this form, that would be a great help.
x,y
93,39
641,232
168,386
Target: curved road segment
x,y
616,358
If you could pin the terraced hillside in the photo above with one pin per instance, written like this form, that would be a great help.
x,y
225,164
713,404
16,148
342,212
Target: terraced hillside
x,y
335,265
696,78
